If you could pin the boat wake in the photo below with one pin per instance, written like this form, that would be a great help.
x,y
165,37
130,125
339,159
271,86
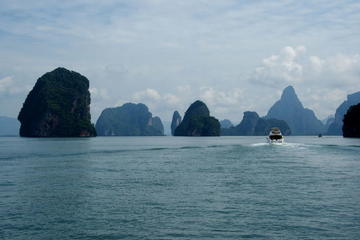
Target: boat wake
x,y
284,144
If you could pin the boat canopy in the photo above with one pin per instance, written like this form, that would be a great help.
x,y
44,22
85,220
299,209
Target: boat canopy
x,y
275,137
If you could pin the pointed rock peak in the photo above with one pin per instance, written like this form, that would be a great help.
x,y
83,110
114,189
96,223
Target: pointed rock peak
x,y
289,92
176,115
289,95
251,114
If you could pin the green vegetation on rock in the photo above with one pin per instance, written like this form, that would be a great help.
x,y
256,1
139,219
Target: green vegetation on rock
x,y
198,122
58,106
129,120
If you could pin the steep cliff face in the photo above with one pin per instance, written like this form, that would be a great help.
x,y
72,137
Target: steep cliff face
x,y
57,106
198,122
157,124
176,120
351,126
253,125
302,121
129,120
335,127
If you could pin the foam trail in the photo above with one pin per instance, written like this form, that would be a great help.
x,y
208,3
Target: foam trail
x,y
259,144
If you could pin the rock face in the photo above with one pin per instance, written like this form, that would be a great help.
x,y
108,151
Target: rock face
x,y
351,126
328,121
335,127
198,122
176,120
302,121
57,106
157,124
129,120
226,123
253,125
9,126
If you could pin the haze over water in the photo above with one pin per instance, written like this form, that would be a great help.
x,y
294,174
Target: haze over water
x,y
179,188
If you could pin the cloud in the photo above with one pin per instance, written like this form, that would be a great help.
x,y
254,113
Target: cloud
x,y
9,86
148,93
129,48
321,82
5,84
99,93
283,68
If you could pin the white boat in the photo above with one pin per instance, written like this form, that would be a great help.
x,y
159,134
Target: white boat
x,y
275,136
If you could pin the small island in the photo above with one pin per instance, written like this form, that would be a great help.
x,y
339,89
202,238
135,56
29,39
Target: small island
x,y
58,106
176,120
198,122
129,120
253,125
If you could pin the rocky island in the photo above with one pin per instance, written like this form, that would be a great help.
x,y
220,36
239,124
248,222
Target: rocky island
x,y
58,106
176,120
226,123
198,122
302,121
351,126
335,128
253,125
129,120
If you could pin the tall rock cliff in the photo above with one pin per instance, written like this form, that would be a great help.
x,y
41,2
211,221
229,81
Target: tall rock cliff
x,y
302,121
176,120
335,127
198,122
129,120
57,106
253,125
351,127
157,124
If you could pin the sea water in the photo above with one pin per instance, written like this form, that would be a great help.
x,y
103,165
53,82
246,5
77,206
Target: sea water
x,y
179,188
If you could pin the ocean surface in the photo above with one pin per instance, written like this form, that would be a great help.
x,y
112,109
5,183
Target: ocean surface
x,y
179,188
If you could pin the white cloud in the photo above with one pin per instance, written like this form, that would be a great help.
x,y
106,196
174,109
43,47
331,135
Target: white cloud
x,y
9,86
5,83
148,93
283,68
99,93
159,45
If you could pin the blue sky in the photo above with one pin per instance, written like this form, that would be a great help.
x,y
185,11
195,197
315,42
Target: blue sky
x,y
234,55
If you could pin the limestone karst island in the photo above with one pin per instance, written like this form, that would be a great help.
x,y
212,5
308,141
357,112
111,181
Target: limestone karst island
x,y
59,106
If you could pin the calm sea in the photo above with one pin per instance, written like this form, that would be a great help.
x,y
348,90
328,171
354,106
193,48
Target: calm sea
x,y
179,188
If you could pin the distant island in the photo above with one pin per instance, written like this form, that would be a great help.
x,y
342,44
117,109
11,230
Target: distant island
x,y
57,106
176,120
129,120
336,126
302,121
253,125
226,123
198,122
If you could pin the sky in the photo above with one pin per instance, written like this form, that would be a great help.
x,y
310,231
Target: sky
x,y
236,56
